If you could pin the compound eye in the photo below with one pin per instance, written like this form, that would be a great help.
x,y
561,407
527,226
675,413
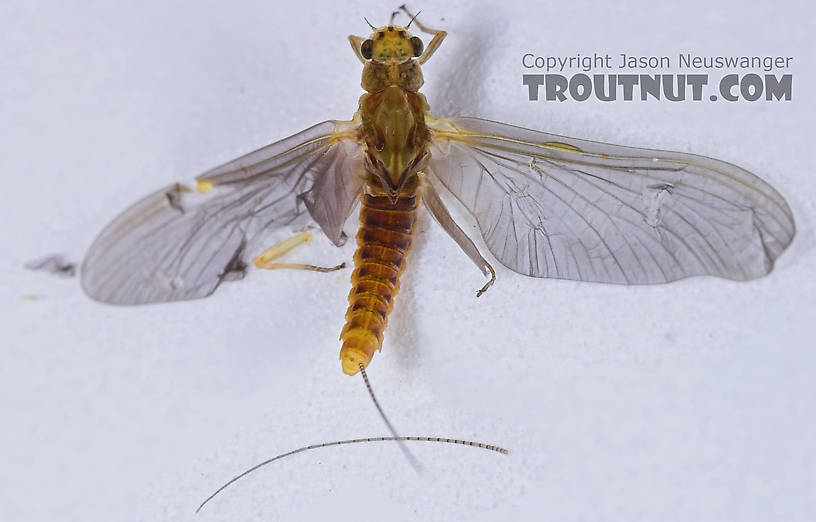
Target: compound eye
x,y
416,45
365,49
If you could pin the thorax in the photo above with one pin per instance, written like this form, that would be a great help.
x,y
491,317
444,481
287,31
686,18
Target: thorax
x,y
392,115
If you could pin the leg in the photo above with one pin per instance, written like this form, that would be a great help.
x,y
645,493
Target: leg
x,y
299,266
436,41
278,249
432,202
356,42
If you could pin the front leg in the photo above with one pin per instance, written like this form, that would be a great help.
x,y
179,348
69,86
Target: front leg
x,y
436,41
356,43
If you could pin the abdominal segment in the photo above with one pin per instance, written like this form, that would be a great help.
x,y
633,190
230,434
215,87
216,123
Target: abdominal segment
x,y
382,244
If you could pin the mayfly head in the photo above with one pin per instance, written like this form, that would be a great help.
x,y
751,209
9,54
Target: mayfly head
x,y
391,44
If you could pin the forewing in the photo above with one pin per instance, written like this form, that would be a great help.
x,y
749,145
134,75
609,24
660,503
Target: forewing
x,y
177,244
552,206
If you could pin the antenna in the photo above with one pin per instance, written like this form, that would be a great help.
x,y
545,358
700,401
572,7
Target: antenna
x,y
412,18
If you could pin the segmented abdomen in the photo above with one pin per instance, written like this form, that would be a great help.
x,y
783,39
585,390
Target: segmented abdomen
x,y
382,244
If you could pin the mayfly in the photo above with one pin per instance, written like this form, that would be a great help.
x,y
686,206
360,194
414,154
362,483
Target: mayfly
x,y
546,205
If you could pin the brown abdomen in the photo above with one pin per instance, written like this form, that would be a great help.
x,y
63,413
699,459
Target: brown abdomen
x,y
382,244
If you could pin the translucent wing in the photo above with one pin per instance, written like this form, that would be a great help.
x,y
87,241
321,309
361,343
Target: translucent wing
x,y
551,206
177,244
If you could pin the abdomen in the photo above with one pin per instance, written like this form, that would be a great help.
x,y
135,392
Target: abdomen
x,y
382,244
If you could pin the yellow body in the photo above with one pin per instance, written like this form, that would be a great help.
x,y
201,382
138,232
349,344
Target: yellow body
x,y
396,138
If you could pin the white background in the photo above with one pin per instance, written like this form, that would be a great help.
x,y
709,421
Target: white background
x,y
689,401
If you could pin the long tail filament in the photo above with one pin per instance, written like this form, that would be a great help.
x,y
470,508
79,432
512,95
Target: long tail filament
x,y
481,445
408,455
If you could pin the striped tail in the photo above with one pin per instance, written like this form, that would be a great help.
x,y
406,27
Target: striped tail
x,y
382,243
